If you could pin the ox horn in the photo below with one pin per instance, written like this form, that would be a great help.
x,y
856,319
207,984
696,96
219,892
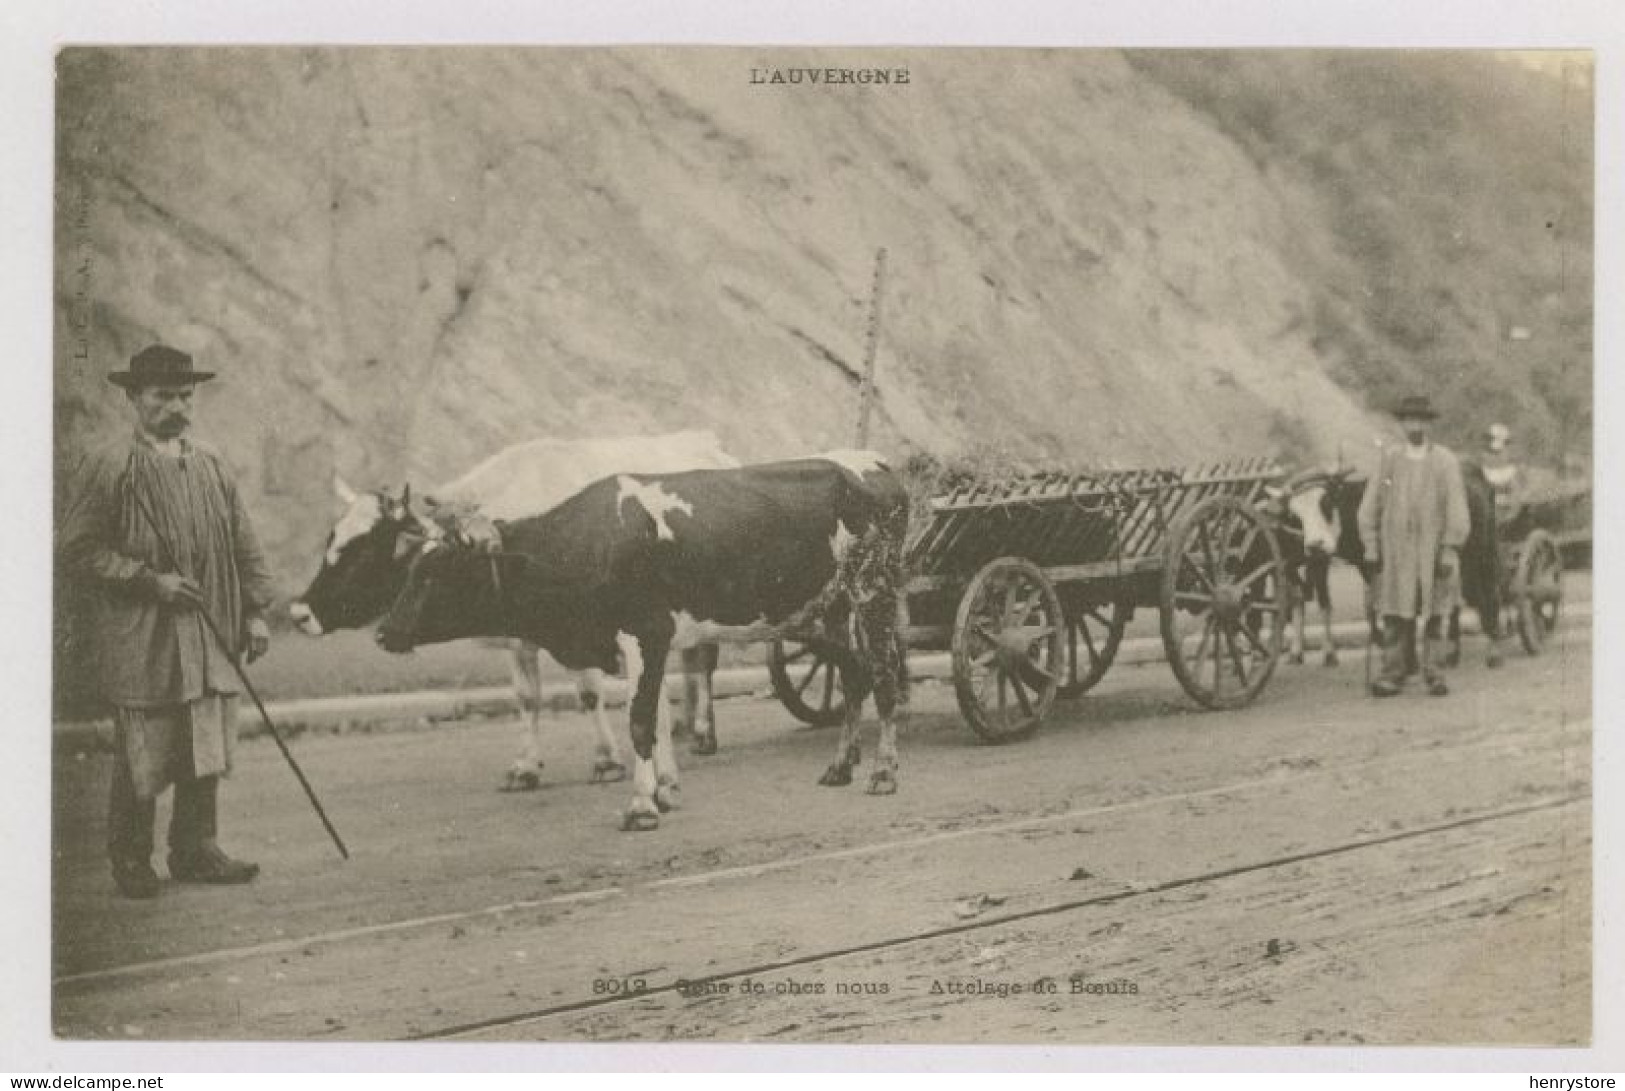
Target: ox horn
x,y
401,507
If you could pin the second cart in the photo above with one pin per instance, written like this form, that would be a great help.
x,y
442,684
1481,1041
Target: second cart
x,y
1031,585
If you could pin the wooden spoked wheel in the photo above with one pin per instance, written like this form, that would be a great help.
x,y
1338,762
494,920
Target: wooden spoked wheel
x,y
807,681
1092,636
1537,590
1007,649
1223,602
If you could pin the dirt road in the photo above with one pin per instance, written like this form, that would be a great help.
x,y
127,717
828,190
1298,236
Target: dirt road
x,y
1320,868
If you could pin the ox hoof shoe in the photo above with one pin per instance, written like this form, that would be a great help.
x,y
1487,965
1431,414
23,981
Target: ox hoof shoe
x,y
836,776
638,820
1493,662
608,772
668,797
882,782
1296,659
704,745
1329,660
522,780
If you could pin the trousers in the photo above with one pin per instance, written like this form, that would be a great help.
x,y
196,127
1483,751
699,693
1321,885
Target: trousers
x,y
131,816
1399,642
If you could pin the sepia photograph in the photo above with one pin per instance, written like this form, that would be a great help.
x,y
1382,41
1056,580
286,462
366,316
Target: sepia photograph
x,y
837,545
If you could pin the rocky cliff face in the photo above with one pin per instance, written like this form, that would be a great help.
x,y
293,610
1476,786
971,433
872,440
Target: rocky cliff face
x,y
402,260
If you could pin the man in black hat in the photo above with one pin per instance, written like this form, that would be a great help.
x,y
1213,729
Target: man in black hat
x,y
156,526
1413,523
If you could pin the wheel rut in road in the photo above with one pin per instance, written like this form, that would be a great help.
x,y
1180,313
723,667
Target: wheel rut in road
x,y
699,985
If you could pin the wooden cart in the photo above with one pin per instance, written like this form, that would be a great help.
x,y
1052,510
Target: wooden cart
x,y
1536,538
1031,583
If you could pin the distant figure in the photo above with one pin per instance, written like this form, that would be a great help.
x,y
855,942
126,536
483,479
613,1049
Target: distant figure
x,y
1413,522
174,694
1500,469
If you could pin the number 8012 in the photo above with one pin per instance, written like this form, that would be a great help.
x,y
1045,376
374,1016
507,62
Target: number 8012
x,y
619,986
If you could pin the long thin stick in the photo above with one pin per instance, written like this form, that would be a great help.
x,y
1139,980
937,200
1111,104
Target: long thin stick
x,y
242,676
866,396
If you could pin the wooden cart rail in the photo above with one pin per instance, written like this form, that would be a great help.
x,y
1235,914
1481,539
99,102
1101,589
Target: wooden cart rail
x,y
1074,526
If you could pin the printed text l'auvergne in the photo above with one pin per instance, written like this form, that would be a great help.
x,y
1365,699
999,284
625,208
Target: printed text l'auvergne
x,y
828,77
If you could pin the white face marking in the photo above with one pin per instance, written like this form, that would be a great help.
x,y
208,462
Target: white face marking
x,y
840,542
859,463
655,500
692,632
1319,533
361,516
342,490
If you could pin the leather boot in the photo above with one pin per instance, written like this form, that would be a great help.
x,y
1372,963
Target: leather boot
x,y
129,834
194,857
1430,664
135,879
1451,656
1392,677
1496,656
209,864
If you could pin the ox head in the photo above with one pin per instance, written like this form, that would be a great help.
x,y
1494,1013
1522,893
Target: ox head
x,y
365,560
1311,503
449,591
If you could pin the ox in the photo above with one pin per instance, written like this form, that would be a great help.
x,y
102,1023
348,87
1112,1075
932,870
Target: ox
x,y
367,553
811,548
1319,511
1325,506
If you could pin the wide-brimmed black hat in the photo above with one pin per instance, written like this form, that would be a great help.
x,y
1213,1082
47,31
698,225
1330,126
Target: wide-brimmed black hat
x,y
159,365
1416,407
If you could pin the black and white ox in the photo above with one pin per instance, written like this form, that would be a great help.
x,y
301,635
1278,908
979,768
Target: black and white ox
x,y
811,547
1320,513
369,550
1325,507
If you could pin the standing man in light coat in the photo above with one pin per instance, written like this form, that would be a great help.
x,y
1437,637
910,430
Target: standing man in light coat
x,y
1413,523
173,692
